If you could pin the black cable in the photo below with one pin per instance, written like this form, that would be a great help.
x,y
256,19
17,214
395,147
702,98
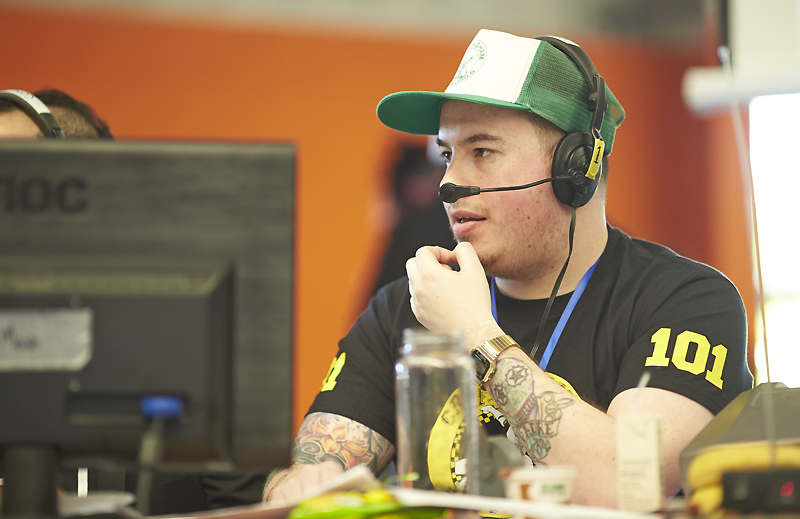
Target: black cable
x,y
555,288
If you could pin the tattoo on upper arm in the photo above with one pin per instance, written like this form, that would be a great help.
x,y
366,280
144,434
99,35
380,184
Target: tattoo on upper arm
x,y
534,417
326,436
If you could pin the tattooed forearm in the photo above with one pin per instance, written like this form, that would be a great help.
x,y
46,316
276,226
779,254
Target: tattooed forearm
x,y
325,436
328,437
528,406
273,480
512,389
537,445
534,417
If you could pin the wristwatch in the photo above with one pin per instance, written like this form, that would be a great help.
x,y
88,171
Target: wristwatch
x,y
486,355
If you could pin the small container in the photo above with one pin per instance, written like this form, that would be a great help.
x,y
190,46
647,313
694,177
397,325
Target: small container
x,y
437,420
540,484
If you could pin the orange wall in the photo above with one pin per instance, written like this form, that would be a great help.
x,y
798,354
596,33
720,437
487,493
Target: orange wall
x,y
152,79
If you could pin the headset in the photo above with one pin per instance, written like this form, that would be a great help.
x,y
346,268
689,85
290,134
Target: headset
x,y
578,157
36,110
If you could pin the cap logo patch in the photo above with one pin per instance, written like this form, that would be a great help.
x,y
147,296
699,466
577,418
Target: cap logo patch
x,y
471,63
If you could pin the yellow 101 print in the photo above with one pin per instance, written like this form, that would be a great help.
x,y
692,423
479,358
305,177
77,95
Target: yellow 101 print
x,y
681,353
336,367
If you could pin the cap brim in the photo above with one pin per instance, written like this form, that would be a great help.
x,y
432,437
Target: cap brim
x,y
418,112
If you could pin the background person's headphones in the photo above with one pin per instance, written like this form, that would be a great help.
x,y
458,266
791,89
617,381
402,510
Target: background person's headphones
x,y
577,160
36,110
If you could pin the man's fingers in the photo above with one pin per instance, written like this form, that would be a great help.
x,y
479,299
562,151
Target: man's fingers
x,y
411,267
466,257
435,255
443,256
427,258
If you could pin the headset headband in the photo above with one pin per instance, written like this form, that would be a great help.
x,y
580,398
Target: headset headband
x,y
36,110
596,102
597,86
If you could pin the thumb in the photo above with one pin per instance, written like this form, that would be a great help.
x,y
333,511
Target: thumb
x,y
467,258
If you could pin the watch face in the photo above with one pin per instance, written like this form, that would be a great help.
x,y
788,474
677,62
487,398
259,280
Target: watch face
x,y
481,364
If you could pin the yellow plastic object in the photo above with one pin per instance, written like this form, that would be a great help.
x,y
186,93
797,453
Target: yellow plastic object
x,y
359,505
708,466
706,499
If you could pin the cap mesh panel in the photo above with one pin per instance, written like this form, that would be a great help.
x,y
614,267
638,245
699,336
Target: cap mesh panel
x,y
557,91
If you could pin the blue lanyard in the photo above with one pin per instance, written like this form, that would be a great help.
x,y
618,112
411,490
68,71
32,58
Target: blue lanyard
x,y
562,322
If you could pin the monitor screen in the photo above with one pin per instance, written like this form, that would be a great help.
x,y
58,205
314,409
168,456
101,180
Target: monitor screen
x,y
132,270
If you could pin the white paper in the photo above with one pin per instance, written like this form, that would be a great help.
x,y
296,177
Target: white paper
x,y
640,472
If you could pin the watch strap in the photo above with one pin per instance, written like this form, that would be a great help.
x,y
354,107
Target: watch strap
x,y
488,352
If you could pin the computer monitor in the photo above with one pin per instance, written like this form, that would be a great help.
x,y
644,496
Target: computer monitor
x,y
130,270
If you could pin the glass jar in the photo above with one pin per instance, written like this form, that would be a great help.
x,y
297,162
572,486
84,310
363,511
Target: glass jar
x,y
437,420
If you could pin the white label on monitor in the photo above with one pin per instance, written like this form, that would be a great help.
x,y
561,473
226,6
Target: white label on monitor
x,y
45,340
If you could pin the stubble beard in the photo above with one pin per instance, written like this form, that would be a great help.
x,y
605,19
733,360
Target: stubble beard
x,y
526,267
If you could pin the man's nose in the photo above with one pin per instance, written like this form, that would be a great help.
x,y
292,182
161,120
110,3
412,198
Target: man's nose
x,y
453,174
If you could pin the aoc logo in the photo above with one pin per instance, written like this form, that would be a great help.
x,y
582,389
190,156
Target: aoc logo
x,y
471,64
39,195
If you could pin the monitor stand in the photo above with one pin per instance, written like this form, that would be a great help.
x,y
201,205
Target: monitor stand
x,y
29,481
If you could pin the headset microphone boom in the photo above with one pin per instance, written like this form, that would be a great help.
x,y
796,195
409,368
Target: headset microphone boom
x,y
450,192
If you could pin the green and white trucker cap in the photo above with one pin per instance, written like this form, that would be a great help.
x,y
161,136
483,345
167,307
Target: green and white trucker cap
x,y
500,69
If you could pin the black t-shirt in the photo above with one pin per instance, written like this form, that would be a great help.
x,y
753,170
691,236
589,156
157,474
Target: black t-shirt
x,y
644,308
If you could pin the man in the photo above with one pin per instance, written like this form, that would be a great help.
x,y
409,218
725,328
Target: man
x,y
48,113
620,306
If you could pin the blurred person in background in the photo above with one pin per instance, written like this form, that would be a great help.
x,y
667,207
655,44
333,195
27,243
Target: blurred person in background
x,y
419,218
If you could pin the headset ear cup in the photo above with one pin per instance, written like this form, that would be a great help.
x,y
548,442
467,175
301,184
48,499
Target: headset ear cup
x,y
570,164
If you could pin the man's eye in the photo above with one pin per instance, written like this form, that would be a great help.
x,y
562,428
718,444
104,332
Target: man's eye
x,y
446,155
482,152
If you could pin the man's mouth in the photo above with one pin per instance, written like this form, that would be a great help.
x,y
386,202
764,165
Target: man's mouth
x,y
468,219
